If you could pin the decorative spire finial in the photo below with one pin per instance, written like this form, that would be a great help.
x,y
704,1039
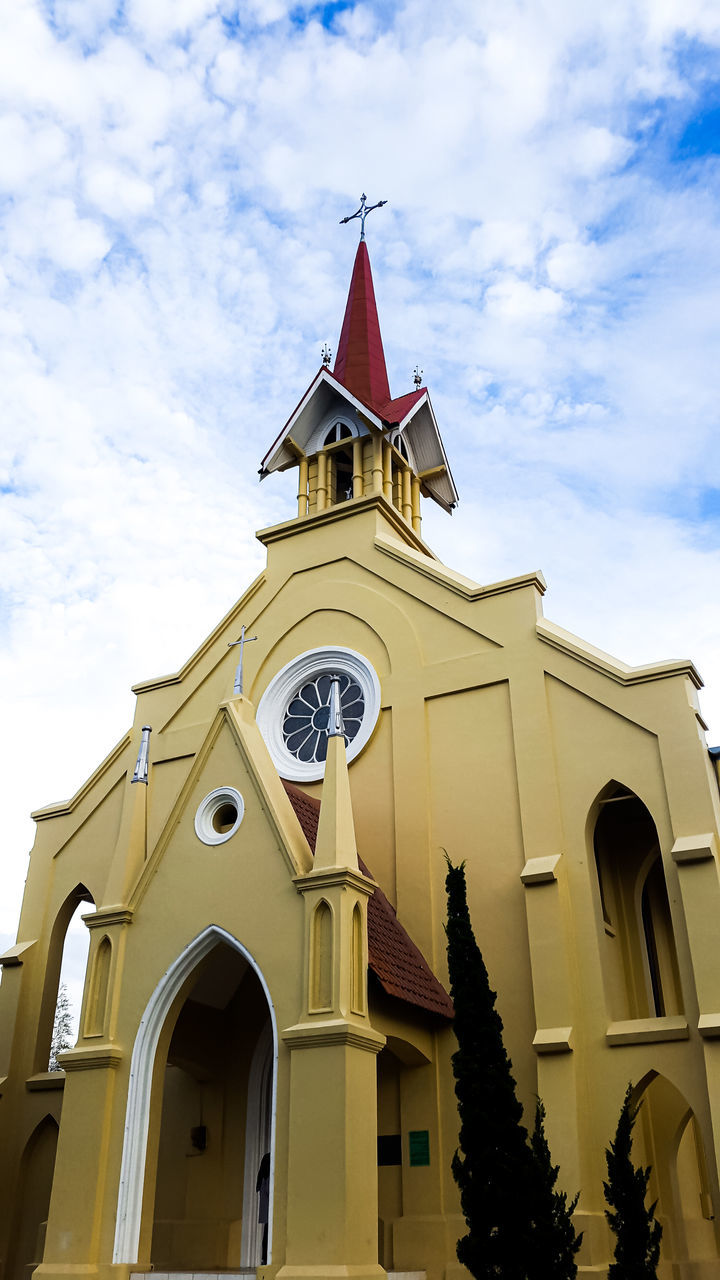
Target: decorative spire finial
x,y
238,685
336,726
326,355
141,764
363,212
417,376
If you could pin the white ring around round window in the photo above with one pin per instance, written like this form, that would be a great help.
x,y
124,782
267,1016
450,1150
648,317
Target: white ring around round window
x,y
219,815
292,711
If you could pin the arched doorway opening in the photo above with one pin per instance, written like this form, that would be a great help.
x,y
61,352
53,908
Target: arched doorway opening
x,y
398,1249
668,1138
200,1116
27,1242
389,1127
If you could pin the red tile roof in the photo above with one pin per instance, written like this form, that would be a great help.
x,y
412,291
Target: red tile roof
x,y
399,966
396,410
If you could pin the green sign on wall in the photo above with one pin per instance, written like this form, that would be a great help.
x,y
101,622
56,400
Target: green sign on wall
x,y
419,1142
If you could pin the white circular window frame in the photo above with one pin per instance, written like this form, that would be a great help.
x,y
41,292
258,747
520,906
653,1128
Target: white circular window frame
x,y
308,666
206,810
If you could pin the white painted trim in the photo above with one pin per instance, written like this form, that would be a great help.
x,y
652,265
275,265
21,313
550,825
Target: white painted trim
x,y
348,419
256,1144
137,1114
206,810
398,434
308,666
269,462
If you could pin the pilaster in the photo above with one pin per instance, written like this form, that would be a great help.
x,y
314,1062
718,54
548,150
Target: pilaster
x,y
332,1133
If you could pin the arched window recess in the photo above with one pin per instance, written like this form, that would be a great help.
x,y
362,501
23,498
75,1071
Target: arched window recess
x,y
638,949
335,430
64,980
399,441
338,431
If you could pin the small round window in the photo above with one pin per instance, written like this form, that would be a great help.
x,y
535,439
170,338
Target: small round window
x,y
294,711
219,815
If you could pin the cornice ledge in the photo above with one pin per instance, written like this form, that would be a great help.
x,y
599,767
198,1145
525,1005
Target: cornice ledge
x,y
603,662
101,1055
44,1081
648,1030
15,955
700,848
354,506
104,917
540,870
327,879
709,1026
457,582
553,1040
315,1035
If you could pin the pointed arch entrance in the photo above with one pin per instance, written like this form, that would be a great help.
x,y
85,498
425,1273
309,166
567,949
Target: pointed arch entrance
x,y
668,1139
37,1166
218,1106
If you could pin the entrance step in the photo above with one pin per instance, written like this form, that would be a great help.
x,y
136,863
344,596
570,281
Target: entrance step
x,y
241,1273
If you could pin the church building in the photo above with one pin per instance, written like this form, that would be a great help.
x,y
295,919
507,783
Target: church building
x,y
262,1078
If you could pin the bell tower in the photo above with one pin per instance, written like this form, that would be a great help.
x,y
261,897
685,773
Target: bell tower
x,y
349,438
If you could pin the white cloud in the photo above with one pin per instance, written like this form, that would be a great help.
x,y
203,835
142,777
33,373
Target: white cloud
x,y
117,193
518,302
172,261
574,266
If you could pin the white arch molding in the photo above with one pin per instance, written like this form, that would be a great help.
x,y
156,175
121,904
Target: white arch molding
x,y
137,1114
258,1140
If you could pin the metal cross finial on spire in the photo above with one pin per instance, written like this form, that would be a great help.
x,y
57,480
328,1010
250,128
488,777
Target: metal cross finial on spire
x,y
238,685
326,355
363,212
418,376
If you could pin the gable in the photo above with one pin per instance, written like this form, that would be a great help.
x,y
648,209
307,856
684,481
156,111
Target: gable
x,y
262,854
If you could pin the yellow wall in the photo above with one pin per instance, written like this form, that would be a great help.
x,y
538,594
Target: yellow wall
x,y
497,738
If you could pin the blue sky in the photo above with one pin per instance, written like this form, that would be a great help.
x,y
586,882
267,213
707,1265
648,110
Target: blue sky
x,y
172,176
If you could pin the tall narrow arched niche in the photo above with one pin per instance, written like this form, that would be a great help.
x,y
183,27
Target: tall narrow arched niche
x,y
66,962
96,1008
638,943
358,977
321,959
27,1238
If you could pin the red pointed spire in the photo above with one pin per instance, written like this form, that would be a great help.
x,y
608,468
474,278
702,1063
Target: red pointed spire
x,y
360,360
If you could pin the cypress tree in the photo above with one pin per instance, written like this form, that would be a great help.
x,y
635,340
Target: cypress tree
x,y
493,1166
555,1239
62,1027
637,1247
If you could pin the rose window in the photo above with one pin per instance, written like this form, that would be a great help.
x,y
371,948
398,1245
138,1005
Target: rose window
x,y
294,711
305,726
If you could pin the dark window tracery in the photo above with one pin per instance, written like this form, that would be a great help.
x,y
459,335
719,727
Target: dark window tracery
x,y
305,726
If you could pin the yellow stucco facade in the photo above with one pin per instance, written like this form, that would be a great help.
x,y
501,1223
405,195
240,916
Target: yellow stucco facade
x,y
227,1009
